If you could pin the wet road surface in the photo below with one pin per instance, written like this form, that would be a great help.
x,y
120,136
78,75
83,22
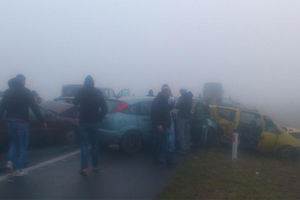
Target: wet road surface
x,y
121,177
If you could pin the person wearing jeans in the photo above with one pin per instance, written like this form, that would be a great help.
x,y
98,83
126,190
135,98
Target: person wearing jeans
x,y
92,110
19,136
16,102
88,135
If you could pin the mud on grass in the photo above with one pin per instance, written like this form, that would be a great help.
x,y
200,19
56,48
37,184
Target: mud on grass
x,y
211,174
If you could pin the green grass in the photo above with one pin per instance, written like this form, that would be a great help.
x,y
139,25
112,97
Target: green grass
x,y
211,174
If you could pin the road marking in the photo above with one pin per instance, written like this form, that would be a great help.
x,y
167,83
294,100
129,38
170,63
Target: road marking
x,y
43,164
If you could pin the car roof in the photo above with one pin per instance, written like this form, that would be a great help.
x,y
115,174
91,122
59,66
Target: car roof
x,y
132,100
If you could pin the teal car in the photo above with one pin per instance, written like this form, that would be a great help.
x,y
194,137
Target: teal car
x,y
128,123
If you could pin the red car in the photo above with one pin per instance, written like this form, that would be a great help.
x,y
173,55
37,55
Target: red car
x,y
62,125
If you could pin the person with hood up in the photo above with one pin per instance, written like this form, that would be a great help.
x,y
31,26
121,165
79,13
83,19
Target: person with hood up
x,y
16,103
92,110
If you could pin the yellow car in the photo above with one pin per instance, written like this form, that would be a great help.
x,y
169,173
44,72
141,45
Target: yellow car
x,y
256,130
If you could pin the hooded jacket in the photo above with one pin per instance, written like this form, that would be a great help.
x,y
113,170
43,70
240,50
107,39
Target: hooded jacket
x,y
16,102
92,106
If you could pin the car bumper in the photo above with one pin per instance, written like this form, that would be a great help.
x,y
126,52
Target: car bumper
x,y
110,136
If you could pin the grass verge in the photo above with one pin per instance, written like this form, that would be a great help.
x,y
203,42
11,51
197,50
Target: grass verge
x,y
211,174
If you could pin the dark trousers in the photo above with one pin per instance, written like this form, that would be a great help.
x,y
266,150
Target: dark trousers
x,y
161,146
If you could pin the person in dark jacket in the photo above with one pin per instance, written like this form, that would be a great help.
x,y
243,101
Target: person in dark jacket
x,y
161,119
16,103
92,110
184,106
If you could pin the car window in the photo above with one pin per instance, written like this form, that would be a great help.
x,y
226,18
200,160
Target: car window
x,y
296,135
226,114
250,118
270,126
145,108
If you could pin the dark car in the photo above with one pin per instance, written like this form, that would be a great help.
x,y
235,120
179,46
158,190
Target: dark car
x,y
61,127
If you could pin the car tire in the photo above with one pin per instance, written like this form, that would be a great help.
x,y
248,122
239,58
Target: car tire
x,y
131,142
287,152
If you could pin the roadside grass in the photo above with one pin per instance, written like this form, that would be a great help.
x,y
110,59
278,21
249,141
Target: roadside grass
x,y
211,174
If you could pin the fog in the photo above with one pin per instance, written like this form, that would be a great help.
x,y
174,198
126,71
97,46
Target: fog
x,y
251,47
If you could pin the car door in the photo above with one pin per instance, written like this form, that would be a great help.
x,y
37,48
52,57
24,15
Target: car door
x,y
40,135
269,135
144,119
55,128
226,119
36,131
250,129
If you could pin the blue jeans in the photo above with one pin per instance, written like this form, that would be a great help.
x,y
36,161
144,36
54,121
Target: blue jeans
x,y
161,146
88,135
19,141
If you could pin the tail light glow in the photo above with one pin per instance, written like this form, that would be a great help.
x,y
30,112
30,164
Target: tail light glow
x,y
122,106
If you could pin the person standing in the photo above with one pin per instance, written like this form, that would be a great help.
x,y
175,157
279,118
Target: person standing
x,y
150,93
184,106
160,117
16,103
92,110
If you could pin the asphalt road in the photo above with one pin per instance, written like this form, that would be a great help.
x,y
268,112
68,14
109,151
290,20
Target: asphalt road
x,y
54,174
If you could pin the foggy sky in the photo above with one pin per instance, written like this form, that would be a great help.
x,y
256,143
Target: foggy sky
x,y
251,47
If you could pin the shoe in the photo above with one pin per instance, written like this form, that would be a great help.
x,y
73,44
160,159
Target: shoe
x,y
9,165
84,171
20,173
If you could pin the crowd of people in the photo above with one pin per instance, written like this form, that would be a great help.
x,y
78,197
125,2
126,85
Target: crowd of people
x,y
170,134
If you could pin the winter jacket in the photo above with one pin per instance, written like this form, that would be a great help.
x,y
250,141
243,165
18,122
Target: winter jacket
x,y
16,102
92,106
184,106
160,111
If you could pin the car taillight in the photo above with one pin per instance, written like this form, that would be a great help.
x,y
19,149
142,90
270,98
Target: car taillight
x,y
122,106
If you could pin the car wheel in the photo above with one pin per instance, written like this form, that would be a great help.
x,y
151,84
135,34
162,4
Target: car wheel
x,y
131,142
288,152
